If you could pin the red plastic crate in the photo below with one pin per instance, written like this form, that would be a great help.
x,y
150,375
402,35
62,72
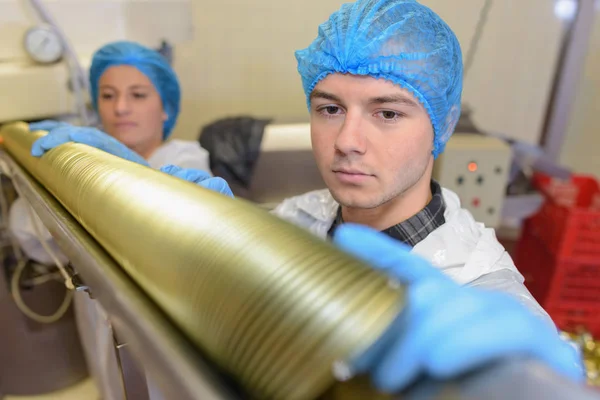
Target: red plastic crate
x,y
568,290
559,252
571,320
569,220
556,280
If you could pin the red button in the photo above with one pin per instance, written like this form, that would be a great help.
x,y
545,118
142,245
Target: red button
x,y
476,202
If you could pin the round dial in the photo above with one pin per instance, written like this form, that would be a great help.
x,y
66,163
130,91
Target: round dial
x,y
43,45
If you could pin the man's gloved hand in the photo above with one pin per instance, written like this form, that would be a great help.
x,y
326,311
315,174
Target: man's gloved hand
x,y
199,177
447,329
47,125
90,136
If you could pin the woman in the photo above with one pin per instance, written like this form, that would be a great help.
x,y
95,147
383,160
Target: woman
x,y
137,95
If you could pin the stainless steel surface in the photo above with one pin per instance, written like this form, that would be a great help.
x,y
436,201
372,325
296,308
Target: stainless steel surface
x,y
285,167
180,371
282,174
134,378
509,380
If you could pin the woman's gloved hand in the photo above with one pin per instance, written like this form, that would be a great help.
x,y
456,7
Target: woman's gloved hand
x,y
199,177
64,133
447,329
47,125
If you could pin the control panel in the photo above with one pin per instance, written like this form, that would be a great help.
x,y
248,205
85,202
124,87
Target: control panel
x,y
476,168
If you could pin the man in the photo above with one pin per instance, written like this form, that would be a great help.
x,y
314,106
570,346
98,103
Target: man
x,y
383,82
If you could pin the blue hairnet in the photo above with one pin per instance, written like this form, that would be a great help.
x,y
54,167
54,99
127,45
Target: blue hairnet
x,y
148,62
401,41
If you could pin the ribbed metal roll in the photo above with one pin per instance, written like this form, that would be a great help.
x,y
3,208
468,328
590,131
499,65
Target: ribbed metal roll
x,y
268,302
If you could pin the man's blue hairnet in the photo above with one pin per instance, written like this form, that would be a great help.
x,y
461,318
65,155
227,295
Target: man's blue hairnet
x,y
147,61
398,40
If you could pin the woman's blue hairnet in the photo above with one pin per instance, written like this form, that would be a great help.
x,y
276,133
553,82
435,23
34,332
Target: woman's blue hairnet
x,y
150,63
398,40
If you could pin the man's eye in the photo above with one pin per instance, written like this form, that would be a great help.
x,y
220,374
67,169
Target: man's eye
x,y
388,116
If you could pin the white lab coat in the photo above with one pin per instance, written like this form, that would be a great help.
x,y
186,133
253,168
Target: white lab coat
x,y
95,330
462,248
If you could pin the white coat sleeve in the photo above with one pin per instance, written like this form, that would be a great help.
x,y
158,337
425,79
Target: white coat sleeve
x,y
21,226
183,153
509,282
194,160
313,211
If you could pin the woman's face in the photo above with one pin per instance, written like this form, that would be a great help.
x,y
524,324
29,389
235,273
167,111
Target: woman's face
x,y
131,109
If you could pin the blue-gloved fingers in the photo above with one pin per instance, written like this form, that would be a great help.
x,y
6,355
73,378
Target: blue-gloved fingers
x,y
170,169
446,329
88,136
46,125
485,327
37,148
98,139
103,141
218,185
510,331
62,135
431,313
199,177
190,175
364,362
567,360
194,176
59,136
384,253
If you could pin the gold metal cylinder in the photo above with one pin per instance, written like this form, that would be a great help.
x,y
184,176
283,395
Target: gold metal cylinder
x,y
268,302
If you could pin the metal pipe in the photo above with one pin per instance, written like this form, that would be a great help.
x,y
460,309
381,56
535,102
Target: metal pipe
x,y
566,80
271,304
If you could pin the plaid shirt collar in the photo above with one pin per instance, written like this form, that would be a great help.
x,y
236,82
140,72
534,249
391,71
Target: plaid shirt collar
x,y
417,227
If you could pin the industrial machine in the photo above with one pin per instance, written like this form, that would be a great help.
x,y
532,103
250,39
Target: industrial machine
x,y
476,167
285,167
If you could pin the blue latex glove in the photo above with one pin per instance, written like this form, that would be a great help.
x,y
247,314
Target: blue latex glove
x,y
199,177
86,135
47,125
447,329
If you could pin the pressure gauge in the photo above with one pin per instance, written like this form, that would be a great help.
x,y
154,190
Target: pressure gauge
x,y
43,44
